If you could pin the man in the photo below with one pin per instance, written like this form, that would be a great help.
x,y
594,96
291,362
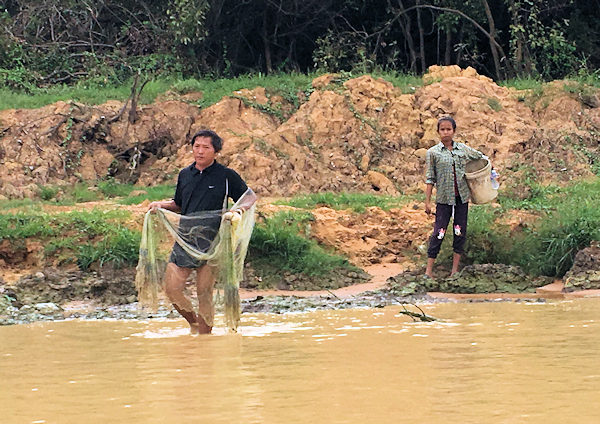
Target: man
x,y
202,186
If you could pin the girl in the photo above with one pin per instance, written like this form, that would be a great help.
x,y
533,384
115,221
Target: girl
x,y
446,170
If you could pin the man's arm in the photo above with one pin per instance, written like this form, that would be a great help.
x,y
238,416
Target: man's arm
x,y
247,202
169,205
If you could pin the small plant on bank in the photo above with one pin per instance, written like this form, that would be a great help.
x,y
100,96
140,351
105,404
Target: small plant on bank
x,y
569,220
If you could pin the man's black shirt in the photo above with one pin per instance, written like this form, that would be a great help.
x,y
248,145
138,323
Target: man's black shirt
x,y
205,190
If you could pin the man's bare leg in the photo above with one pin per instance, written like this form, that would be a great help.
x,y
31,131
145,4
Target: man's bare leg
x,y
205,282
175,278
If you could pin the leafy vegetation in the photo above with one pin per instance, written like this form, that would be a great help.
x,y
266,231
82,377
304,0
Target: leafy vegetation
x,y
103,44
81,237
569,220
357,202
283,241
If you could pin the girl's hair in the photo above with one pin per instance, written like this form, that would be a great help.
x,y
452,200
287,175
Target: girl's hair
x,y
215,140
449,119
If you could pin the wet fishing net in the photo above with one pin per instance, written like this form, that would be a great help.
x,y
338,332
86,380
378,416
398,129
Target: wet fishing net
x,y
192,241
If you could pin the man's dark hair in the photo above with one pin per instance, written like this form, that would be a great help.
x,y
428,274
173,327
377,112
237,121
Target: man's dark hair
x,y
215,140
449,119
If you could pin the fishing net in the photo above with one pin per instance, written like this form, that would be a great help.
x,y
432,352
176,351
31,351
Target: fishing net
x,y
191,241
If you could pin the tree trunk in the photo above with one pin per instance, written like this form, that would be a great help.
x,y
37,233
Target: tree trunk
x,y
448,53
405,26
421,38
490,18
267,48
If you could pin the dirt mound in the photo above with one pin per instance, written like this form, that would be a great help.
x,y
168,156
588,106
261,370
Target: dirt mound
x,y
375,236
585,272
362,134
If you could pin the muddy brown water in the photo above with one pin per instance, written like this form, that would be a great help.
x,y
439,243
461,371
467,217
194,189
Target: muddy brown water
x,y
505,362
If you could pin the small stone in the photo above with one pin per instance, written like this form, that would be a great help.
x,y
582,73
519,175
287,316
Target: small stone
x,y
40,274
47,308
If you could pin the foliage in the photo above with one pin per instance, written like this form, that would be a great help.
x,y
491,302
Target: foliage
x,y
569,220
538,43
186,19
86,237
159,192
341,52
357,202
119,248
53,42
281,241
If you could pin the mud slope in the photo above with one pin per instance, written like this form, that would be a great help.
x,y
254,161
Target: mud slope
x,y
362,134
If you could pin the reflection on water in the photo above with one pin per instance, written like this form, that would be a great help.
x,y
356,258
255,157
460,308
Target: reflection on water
x,y
485,363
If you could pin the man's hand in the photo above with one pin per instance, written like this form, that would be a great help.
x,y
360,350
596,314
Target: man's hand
x,y
234,215
154,205
428,208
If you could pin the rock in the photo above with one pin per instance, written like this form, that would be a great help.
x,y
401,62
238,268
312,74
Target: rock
x,y
324,80
479,278
381,183
585,272
47,308
40,275
420,153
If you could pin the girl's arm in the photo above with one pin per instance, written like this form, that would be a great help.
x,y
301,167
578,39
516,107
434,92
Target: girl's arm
x,y
474,154
428,190
431,176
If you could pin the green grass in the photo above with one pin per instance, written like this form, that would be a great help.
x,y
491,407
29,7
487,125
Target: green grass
x,y
281,241
120,248
159,192
91,95
407,83
82,192
81,237
524,83
286,85
357,202
569,221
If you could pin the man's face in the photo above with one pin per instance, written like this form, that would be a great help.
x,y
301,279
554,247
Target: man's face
x,y
204,152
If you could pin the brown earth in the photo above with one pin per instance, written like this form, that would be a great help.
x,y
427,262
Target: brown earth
x,y
359,135
362,134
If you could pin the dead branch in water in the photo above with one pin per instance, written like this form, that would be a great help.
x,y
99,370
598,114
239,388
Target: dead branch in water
x,y
416,316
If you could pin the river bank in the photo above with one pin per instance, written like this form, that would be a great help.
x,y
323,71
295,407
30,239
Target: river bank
x,y
385,289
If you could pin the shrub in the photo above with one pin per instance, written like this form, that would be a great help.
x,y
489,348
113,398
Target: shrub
x,y
281,241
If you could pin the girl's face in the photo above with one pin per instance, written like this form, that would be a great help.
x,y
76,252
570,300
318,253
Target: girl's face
x,y
446,131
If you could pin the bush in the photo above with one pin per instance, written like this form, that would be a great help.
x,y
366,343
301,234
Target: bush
x,y
281,241
569,221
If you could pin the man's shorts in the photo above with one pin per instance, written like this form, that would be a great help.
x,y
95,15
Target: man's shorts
x,y
199,241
